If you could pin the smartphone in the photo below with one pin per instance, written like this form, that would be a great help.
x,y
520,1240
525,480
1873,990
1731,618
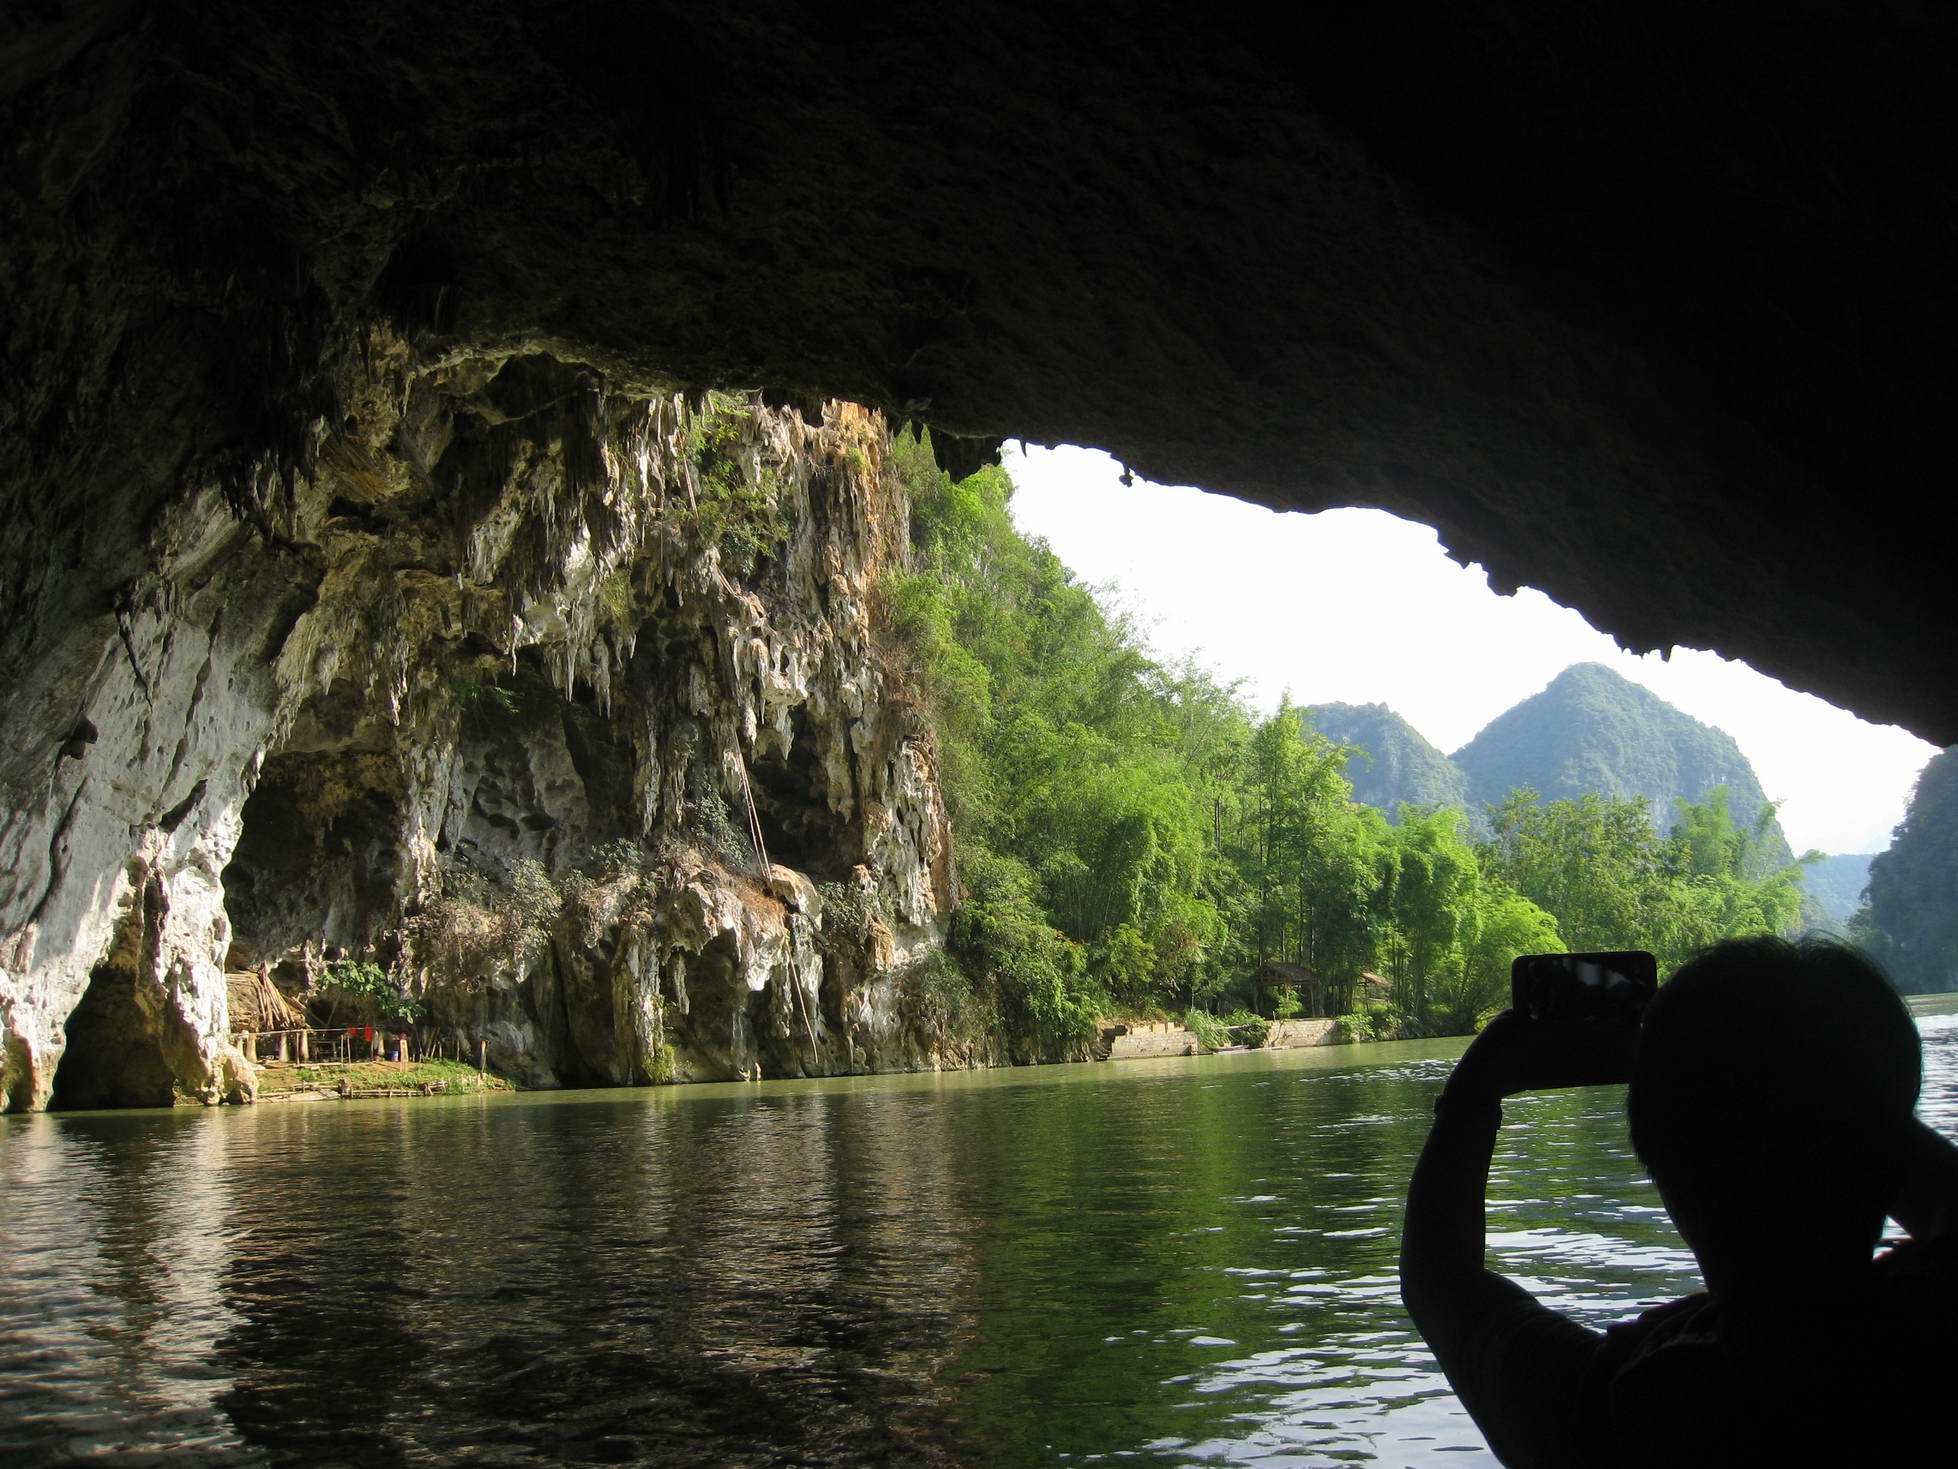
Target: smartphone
x,y
1614,986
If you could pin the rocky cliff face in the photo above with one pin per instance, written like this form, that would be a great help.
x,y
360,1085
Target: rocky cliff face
x,y
561,703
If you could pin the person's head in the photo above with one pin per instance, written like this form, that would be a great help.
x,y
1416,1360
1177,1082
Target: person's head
x,y
1771,1096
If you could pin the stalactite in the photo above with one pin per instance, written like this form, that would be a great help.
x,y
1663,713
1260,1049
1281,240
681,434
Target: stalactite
x,y
517,528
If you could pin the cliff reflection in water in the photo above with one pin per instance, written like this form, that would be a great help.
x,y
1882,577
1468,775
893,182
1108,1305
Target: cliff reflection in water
x,y
1178,1261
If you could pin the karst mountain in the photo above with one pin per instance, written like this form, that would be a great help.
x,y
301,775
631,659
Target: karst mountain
x,y
1590,731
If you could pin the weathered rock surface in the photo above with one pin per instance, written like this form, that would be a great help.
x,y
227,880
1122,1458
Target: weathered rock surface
x,y
557,700
1648,304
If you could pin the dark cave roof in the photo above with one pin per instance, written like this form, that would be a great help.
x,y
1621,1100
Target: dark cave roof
x,y
1647,305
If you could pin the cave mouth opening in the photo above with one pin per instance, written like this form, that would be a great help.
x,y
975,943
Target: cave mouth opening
x,y
800,829
315,860
113,1058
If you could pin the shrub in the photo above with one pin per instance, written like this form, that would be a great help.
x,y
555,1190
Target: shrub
x,y
1210,1032
1356,1026
715,831
848,913
534,899
1128,962
479,927
1247,1028
943,1004
739,514
609,859
1386,1020
1376,1020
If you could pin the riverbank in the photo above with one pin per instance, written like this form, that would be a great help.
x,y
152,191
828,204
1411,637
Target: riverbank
x,y
328,1080
1123,1041
1131,1040
309,1081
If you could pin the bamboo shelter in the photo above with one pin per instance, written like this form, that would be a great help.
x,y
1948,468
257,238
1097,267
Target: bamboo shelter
x,y
259,1007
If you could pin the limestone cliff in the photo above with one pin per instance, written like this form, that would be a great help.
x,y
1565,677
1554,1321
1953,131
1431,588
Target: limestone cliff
x,y
558,701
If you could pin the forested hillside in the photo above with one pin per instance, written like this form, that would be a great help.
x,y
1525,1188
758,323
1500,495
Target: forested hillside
x,y
1911,919
1595,732
1392,762
1836,884
1132,838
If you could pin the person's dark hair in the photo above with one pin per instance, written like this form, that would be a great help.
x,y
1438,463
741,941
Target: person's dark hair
x,y
1766,1066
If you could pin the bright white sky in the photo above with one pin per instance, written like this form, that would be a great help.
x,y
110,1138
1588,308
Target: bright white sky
x,y
1355,606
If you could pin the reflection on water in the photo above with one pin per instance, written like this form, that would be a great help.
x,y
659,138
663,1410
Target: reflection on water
x,y
1168,1262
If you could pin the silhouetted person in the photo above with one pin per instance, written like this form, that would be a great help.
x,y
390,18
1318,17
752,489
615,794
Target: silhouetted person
x,y
1771,1098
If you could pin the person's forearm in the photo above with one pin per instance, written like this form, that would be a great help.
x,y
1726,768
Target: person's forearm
x,y
1516,1366
1442,1237
1927,1204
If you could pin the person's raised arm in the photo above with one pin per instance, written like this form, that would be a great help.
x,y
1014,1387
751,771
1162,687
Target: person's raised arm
x,y
1517,1366
1927,1204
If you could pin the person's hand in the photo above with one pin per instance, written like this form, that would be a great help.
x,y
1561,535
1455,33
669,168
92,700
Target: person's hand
x,y
1517,1055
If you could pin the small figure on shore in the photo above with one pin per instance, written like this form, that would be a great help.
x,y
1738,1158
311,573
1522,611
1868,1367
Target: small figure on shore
x,y
1772,1091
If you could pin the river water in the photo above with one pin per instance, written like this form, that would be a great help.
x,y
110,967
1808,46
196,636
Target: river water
x,y
1154,1263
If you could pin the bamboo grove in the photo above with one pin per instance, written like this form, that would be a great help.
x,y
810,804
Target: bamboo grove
x,y
1134,838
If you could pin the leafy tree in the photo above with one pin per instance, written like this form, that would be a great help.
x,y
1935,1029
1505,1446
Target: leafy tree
x,y
1499,925
364,989
1598,867
1430,883
1594,864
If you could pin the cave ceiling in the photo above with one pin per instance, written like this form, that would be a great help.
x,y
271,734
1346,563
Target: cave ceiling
x,y
1649,306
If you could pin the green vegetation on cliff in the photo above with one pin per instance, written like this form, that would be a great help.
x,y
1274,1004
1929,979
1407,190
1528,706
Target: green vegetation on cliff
x,y
1911,921
1132,838
1392,763
1836,884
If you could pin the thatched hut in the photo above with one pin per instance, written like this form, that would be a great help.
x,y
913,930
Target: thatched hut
x,y
1301,981
259,1007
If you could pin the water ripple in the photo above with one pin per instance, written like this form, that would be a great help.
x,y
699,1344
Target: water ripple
x,y
1171,1264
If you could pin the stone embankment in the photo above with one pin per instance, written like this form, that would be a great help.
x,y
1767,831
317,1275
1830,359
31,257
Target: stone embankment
x,y
1140,1039
1317,1030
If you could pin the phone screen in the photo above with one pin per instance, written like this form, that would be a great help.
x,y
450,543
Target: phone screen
x,y
1612,985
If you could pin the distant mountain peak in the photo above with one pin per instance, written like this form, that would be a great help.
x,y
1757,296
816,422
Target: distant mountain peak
x,y
1592,730
1593,669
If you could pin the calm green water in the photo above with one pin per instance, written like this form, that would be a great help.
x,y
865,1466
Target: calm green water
x,y
1158,1262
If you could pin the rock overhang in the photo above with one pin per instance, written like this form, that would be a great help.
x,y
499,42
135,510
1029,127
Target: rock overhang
x,y
1647,306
